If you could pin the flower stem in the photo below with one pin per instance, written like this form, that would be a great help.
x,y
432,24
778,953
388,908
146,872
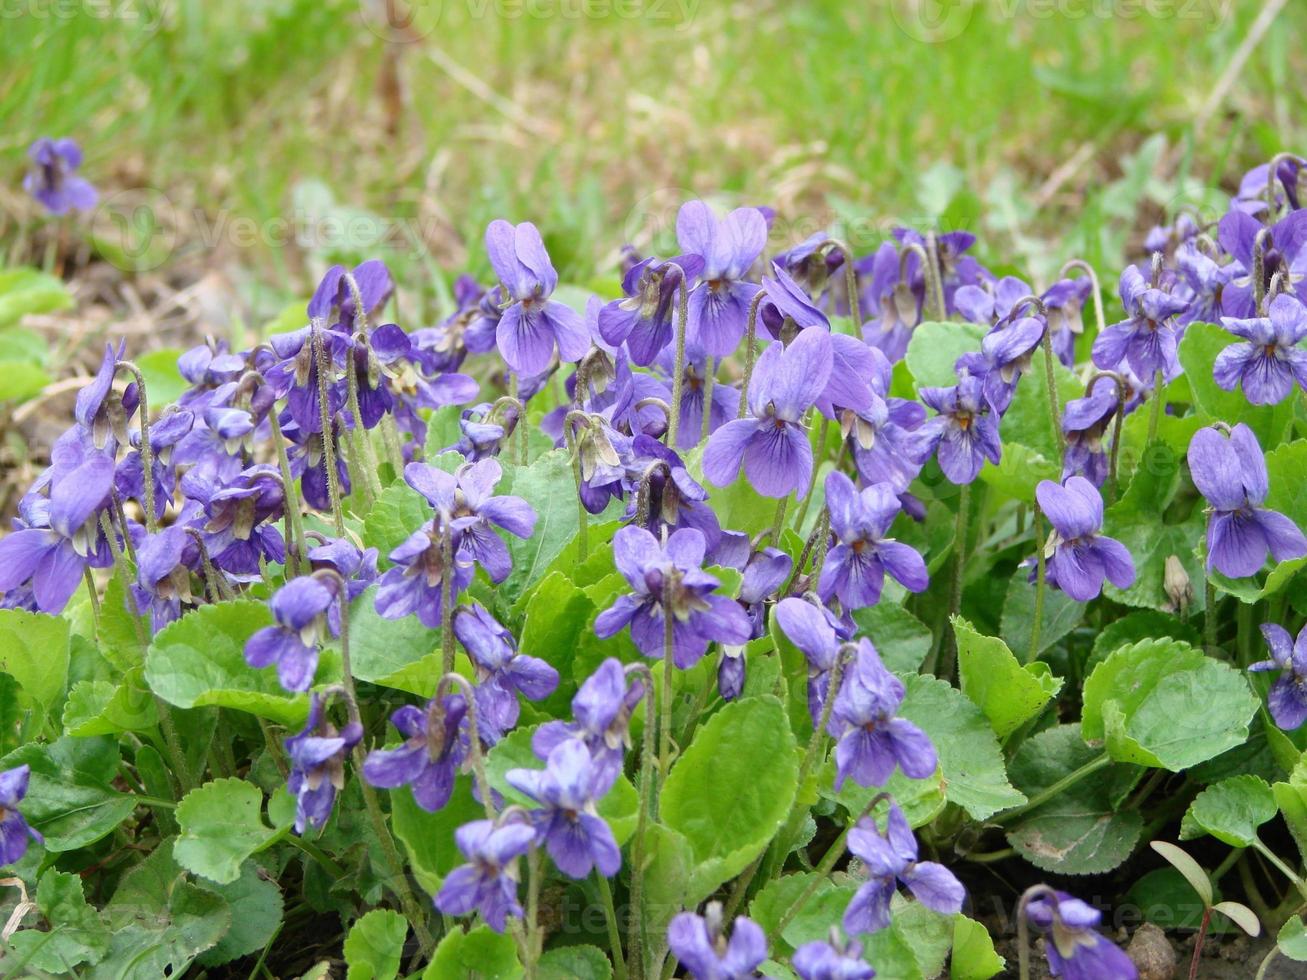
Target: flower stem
x,y
709,382
583,518
533,938
1209,594
519,429
473,735
635,927
1098,762
614,936
446,595
1155,413
297,549
322,363
934,274
1041,583
1023,927
750,355
1054,404
1283,868
147,450
774,535
955,588
665,729
822,431
1096,290
678,371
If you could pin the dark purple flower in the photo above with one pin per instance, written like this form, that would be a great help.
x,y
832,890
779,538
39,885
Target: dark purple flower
x,y
502,672
669,578
602,708
956,268
872,740
165,434
240,529
1063,301
725,400
533,324
467,497
14,831
676,499
429,758
1269,361
764,573
1287,699
855,568
834,960
317,765
488,882
51,179
1076,950
101,411
163,574
1080,557
573,833
1146,340
1252,195
1004,355
643,321
700,943
357,567
1203,284
785,300
1284,251
483,431
989,303
964,433
727,247
1231,474
302,608
333,301
604,454
1084,420
415,584
892,306
773,444
892,859
819,636
883,434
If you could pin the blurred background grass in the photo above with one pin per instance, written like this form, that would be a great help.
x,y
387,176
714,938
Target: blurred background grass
x,y
1054,128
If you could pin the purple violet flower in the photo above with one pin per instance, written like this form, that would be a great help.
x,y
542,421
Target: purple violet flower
x,y
163,574
317,760
832,960
51,180
1284,250
306,613
1146,340
573,833
727,247
872,740
488,882
676,499
773,444
892,859
14,830
819,636
1269,361
1231,474
701,945
1079,557
1287,699
602,707
502,672
429,758
1064,301
855,568
1075,949
1084,420
964,433
533,324
644,319
669,578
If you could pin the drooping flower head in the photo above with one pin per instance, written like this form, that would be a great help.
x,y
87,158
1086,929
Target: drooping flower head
x,y
567,824
644,319
306,613
669,580
1269,361
434,747
727,247
891,859
163,574
488,882
317,757
1231,474
502,672
963,433
533,325
834,960
883,435
1146,340
1075,949
602,709
818,635
14,830
855,568
1287,699
1063,302
675,498
703,948
1084,420
1283,248
52,179
1079,557
772,444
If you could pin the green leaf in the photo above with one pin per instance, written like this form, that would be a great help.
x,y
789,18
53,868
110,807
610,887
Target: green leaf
x,y
256,908
935,347
429,837
20,380
160,922
969,755
973,956
1081,830
1292,939
481,953
732,788
69,797
1201,345
76,934
667,883
575,963
1286,469
1291,799
380,649
1029,423
119,633
104,708
541,484
927,933
1061,614
200,660
921,800
1241,915
34,652
809,922
559,615
1231,811
1009,693
1143,624
1162,703
398,512
221,825
374,946
738,506
900,637
24,291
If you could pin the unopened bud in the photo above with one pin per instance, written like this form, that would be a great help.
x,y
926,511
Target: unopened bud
x,y
1179,590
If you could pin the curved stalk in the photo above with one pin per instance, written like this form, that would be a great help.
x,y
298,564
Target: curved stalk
x,y
635,925
583,517
1023,927
147,450
322,363
297,549
678,371
478,758
1041,584
750,355
1095,290
446,595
